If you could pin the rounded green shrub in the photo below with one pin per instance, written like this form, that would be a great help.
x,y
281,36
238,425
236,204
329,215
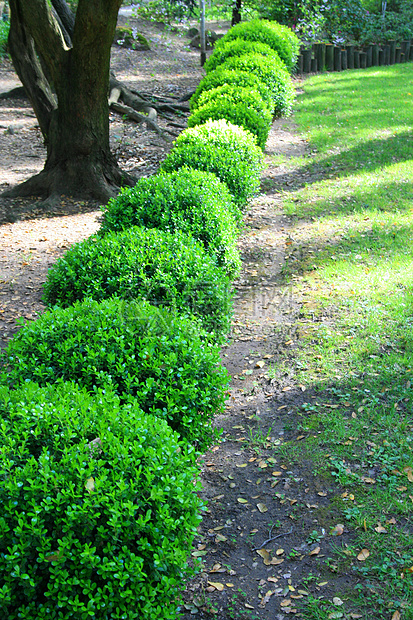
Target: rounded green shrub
x,y
98,507
272,73
239,106
227,150
241,79
237,47
163,361
279,38
166,269
192,201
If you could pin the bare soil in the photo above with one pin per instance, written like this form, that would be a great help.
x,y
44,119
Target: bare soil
x,y
256,541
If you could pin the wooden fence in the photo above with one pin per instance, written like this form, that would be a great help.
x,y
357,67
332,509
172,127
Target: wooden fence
x,y
328,57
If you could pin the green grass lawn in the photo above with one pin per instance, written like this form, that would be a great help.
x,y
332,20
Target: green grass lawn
x,y
353,253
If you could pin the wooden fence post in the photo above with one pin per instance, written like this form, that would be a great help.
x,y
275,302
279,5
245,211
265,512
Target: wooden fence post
x,y
392,44
307,60
337,59
330,56
374,55
369,52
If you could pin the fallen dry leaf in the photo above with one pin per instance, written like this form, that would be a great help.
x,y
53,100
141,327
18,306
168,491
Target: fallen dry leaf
x,y
260,364
241,500
216,585
276,561
286,602
220,538
337,530
380,529
409,472
396,615
264,554
90,484
363,555
266,598
198,554
262,507
315,551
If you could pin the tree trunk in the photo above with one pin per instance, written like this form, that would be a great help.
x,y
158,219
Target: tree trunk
x,y
75,122
236,12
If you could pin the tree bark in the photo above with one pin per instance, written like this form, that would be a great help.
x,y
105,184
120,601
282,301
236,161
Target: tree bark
x,y
74,121
236,12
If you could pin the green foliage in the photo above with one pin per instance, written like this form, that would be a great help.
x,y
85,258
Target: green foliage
x,y
163,361
380,28
164,11
98,507
237,47
131,38
272,73
242,79
280,38
345,20
163,268
227,150
193,201
239,106
282,11
4,35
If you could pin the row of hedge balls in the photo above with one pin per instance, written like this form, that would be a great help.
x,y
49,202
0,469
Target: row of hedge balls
x,y
108,398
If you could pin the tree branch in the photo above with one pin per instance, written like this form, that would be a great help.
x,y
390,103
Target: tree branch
x,y
46,33
29,69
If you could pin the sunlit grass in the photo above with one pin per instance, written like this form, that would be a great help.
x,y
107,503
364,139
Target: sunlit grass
x,y
353,252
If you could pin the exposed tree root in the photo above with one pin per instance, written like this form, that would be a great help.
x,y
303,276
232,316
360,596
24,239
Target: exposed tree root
x,y
99,180
131,104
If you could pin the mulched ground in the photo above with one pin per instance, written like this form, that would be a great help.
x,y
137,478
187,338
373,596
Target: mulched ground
x,y
265,536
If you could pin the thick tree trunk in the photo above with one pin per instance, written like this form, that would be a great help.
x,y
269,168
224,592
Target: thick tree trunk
x,y
79,162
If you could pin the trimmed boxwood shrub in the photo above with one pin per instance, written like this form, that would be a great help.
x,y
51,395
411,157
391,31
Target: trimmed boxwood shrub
x,y
98,507
163,361
279,38
192,201
239,106
167,269
227,150
272,73
237,47
242,79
